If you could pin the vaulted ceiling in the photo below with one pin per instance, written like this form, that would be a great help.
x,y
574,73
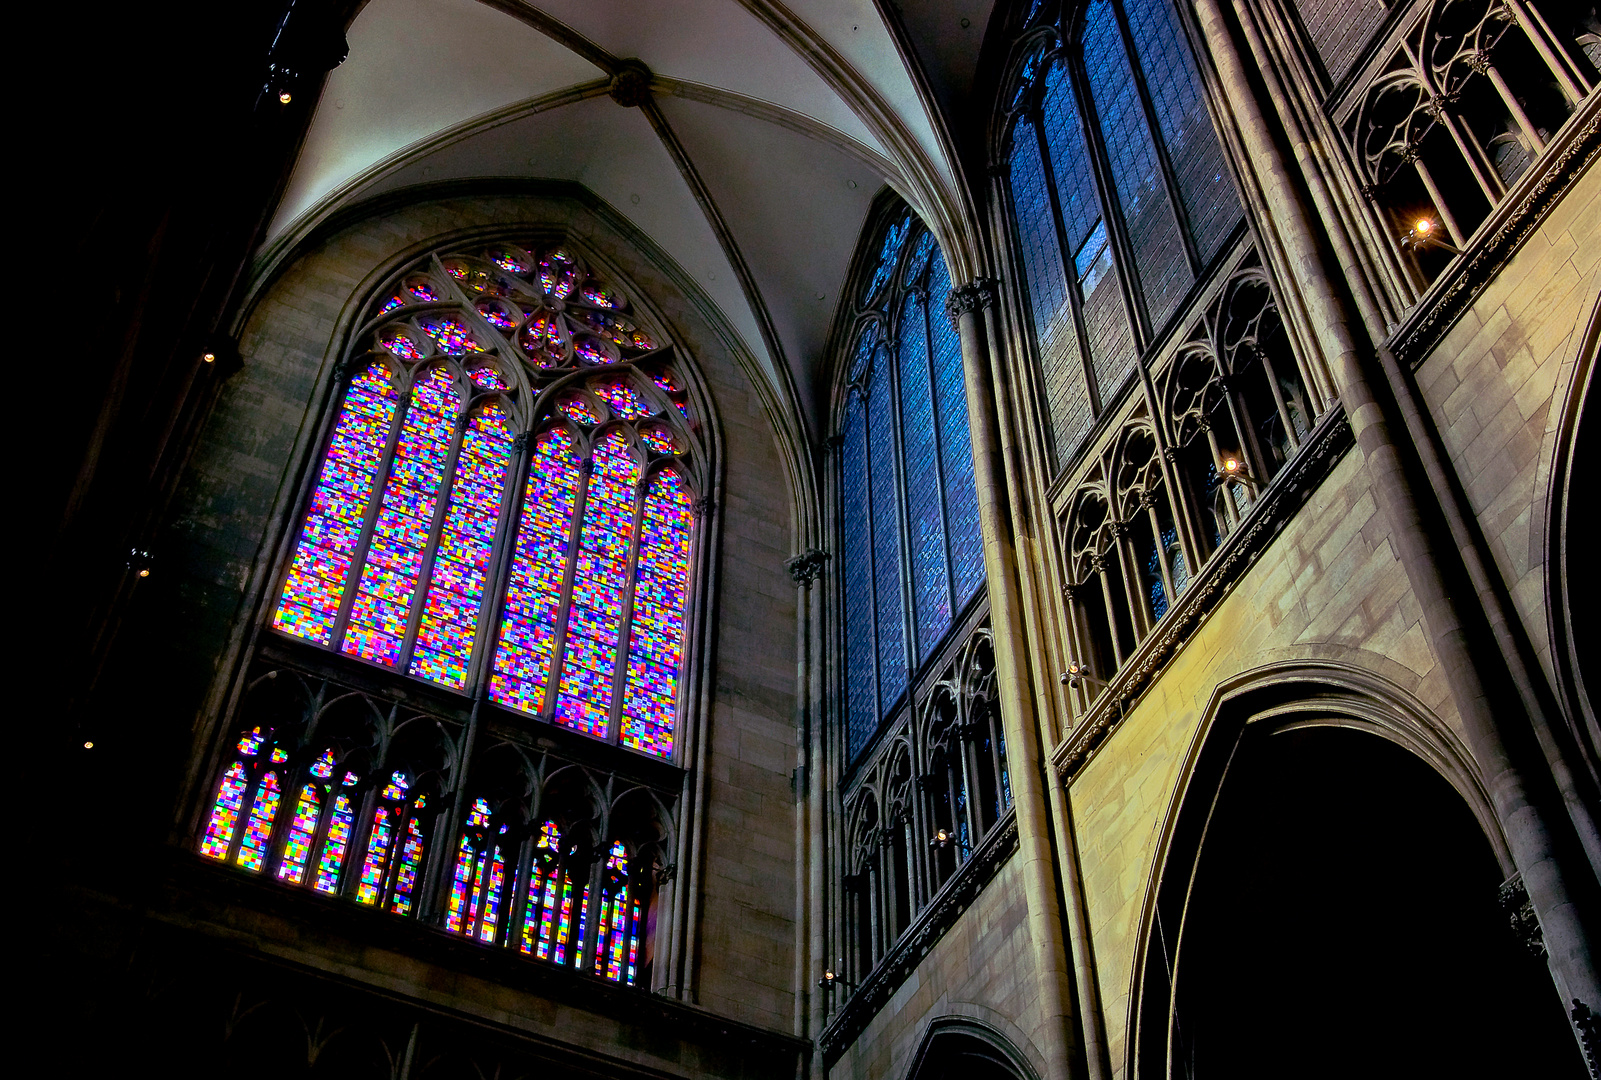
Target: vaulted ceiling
x,y
770,130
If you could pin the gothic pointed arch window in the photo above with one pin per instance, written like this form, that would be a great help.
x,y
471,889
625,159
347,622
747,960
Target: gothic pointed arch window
x,y
499,528
505,500
912,559
1118,192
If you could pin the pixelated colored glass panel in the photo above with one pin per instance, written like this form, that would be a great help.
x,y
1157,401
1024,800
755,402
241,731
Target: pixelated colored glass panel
x,y
334,845
584,696
1158,247
449,625
578,408
931,598
616,933
955,446
399,342
450,334
591,351
659,439
861,687
320,569
251,741
513,260
656,632
302,834
547,919
323,767
887,255
623,398
411,855
1211,203
543,338
559,273
539,562
225,812
886,543
456,911
258,830
485,377
601,296
388,582
479,881
369,890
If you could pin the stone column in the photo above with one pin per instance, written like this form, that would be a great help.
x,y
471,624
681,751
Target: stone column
x,y
811,947
1494,723
1056,1036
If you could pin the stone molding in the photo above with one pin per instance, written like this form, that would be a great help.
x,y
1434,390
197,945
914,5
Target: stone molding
x,y
806,567
976,295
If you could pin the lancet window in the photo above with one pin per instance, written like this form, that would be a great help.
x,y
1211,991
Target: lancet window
x,y
498,533
1446,121
505,504
1118,192
911,556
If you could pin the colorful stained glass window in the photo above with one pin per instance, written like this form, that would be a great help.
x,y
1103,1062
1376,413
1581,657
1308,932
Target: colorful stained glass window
x,y
905,462
659,439
584,694
225,812
623,398
302,834
617,935
548,915
656,631
450,617
411,854
487,378
335,844
258,829
451,334
320,570
479,879
539,567
577,407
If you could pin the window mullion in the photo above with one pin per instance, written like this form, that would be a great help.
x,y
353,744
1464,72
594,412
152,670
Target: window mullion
x,y
1111,208
380,484
425,572
575,535
1164,162
872,551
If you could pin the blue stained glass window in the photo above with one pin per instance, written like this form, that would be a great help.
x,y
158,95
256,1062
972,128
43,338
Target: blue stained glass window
x,y
930,576
1204,183
909,510
1159,256
886,540
861,685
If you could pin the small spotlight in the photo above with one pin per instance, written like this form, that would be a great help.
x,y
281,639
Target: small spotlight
x,y
284,97
1231,465
140,562
210,358
1423,226
940,839
89,745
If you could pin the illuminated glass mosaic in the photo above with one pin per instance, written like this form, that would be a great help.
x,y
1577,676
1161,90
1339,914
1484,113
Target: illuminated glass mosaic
x,y
544,340
411,853
548,915
450,334
539,564
225,812
485,377
479,879
617,935
623,398
335,844
656,632
449,624
251,742
302,834
400,343
258,830
514,260
371,885
323,767
423,289
559,274
384,593
318,573
590,351
499,315
659,439
584,696
578,407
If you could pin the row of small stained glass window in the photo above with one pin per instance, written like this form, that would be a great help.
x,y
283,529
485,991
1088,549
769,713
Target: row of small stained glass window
x,y
324,846
595,594
1136,66
912,555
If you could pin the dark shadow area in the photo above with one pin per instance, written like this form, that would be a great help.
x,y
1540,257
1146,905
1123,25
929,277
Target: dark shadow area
x,y
1344,922
956,1055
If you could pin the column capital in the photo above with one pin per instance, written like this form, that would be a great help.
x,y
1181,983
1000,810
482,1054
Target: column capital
x,y
976,295
807,566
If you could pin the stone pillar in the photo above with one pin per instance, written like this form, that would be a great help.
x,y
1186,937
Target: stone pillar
x,y
1493,722
811,948
1056,1036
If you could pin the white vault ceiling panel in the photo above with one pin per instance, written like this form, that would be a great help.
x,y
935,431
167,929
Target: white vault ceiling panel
x,y
415,68
716,43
